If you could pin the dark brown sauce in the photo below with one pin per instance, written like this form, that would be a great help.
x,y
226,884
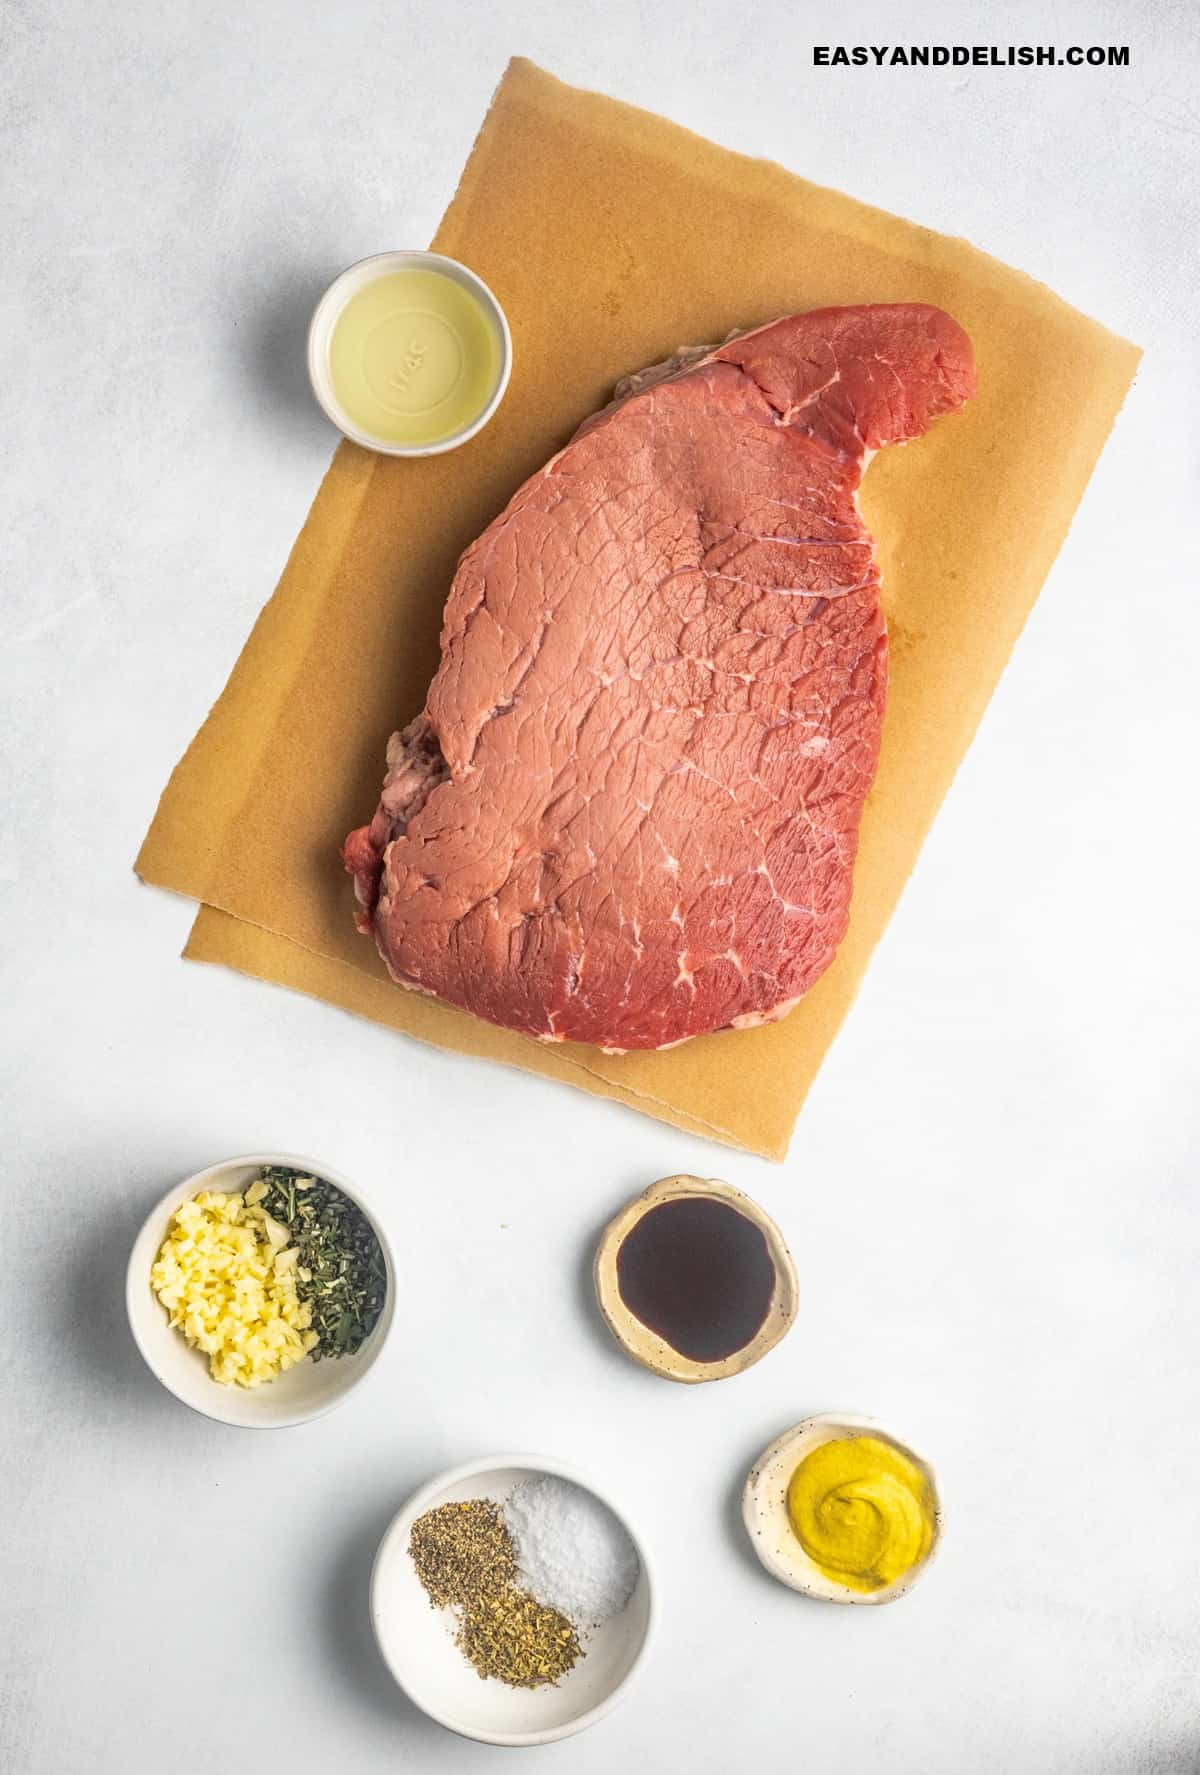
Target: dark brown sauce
x,y
698,1273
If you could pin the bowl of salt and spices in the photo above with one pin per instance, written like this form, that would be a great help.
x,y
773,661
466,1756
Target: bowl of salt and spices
x,y
512,1569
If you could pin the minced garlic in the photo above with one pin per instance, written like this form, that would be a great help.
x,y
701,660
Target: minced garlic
x,y
226,1276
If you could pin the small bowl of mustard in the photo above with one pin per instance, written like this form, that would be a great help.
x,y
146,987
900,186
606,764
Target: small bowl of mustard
x,y
842,1511
409,353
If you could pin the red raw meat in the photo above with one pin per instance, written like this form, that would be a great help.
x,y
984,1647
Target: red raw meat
x,y
629,812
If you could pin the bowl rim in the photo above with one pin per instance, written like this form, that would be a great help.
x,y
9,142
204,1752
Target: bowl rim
x,y
422,1499
338,293
137,1280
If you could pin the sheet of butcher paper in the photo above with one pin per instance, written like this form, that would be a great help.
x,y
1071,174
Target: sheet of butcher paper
x,y
611,237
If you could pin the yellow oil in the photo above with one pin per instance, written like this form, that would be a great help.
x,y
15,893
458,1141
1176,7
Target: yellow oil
x,y
414,357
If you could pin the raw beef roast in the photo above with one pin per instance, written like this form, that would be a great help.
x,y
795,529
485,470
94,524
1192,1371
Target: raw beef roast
x,y
629,811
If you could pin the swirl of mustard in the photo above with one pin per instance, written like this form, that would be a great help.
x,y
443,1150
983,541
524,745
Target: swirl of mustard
x,y
862,1510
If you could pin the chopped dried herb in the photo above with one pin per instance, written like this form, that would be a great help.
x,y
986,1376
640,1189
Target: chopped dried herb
x,y
340,1272
519,1640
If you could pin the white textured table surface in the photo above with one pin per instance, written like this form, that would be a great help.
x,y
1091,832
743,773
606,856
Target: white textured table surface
x,y
992,1192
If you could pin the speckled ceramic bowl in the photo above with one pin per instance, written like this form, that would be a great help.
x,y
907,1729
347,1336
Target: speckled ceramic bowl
x,y
764,1509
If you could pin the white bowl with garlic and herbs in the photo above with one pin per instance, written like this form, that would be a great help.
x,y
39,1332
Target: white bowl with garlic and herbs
x,y
261,1291
511,1601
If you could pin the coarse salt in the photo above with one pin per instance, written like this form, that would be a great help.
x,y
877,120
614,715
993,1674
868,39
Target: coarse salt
x,y
572,1553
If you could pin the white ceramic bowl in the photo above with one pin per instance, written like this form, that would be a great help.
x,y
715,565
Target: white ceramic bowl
x,y
417,1640
308,1390
764,1509
353,279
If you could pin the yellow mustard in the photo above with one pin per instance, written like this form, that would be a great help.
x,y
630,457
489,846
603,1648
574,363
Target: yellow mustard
x,y
862,1510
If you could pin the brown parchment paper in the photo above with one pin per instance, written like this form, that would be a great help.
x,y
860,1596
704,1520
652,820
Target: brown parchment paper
x,y
611,237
